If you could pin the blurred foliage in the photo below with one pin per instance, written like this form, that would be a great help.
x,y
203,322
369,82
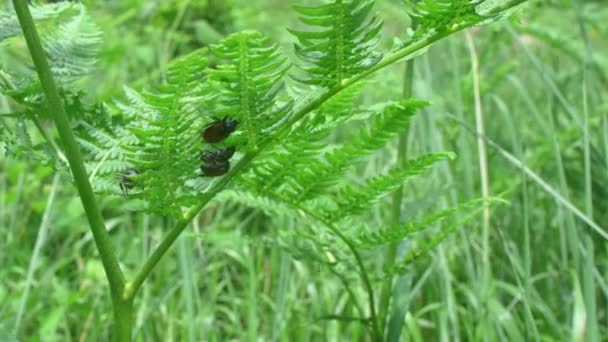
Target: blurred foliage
x,y
227,271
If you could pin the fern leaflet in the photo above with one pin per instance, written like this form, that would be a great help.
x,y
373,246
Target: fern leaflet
x,y
343,45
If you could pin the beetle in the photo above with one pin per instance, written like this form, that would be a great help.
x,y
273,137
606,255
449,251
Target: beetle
x,y
216,163
126,182
222,154
219,130
215,169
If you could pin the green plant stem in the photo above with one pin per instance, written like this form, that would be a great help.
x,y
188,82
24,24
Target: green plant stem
x,y
349,290
505,6
391,253
167,49
123,318
96,223
378,336
483,176
588,283
35,258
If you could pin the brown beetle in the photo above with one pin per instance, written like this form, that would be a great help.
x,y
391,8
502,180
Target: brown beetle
x,y
218,130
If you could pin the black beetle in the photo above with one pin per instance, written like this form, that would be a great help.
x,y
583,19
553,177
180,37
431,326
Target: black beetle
x,y
215,163
126,182
215,169
218,130
220,155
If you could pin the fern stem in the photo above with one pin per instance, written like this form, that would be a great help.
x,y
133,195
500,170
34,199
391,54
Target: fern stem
x,y
349,290
96,223
123,318
377,333
505,6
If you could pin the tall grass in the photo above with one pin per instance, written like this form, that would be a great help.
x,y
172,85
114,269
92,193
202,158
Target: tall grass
x,y
532,270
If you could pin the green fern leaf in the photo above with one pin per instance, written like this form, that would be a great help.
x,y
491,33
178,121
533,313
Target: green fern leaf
x,y
353,200
72,48
161,140
271,169
432,16
248,84
337,110
313,180
16,142
270,206
9,25
401,232
343,44
424,245
166,155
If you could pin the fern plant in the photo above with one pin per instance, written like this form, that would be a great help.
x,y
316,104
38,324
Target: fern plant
x,y
283,162
344,44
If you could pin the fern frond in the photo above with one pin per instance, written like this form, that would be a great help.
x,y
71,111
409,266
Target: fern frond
x,y
337,110
424,245
161,140
305,144
435,16
401,232
73,48
323,173
135,106
310,246
16,142
270,206
343,44
248,83
106,144
104,184
9,25
187,73
272,168
106,157
308,242
353,200
166,155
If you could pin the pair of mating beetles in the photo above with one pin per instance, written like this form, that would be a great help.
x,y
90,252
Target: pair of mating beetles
x,y
215,163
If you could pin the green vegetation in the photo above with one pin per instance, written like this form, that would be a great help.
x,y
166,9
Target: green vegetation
x,y
404,170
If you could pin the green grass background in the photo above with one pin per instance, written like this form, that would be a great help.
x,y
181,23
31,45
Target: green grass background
x,y
534,270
